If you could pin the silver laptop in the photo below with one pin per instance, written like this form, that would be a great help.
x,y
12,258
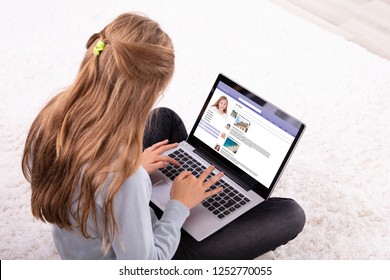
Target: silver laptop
x,y
241,134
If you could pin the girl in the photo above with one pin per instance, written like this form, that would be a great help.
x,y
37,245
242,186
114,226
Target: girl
x,y
220,106
89,172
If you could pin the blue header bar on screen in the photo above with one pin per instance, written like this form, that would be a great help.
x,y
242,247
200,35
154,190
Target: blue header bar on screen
x,y
268,112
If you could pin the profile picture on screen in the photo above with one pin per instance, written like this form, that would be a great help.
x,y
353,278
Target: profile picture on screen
x,y
220,106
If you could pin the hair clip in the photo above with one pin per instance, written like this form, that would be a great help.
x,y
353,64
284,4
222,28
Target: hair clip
x,y
99,47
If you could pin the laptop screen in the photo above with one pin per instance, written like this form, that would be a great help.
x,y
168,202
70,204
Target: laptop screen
x,y
250,133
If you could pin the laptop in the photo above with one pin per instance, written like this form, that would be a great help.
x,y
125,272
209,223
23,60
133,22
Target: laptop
x,y
241,134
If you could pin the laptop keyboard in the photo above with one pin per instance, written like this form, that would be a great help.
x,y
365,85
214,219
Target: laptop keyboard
x,y
222,204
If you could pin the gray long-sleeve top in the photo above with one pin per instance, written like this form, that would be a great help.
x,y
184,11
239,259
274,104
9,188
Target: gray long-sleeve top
x,y
140,234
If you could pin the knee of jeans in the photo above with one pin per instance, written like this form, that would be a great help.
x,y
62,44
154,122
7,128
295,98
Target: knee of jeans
x,y
165,111
171,118
297,216
161,116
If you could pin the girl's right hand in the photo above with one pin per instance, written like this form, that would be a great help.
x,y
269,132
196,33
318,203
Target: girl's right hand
x,y
190,190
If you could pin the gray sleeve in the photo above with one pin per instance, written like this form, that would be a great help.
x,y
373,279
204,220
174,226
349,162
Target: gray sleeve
x,y
140,234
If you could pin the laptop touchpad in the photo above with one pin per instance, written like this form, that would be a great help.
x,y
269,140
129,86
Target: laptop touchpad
x,y
156,177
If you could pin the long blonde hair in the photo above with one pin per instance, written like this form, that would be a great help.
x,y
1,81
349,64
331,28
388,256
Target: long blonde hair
x,y
91,133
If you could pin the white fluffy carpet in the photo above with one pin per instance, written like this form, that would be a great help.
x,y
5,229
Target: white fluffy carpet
x,y
340,170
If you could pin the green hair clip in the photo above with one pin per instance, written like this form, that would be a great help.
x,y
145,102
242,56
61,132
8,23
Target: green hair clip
x,y
99,47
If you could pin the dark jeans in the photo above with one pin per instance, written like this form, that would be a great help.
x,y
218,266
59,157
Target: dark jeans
x,y
267,226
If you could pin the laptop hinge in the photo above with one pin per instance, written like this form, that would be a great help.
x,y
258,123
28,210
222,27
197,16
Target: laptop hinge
x,y
231,174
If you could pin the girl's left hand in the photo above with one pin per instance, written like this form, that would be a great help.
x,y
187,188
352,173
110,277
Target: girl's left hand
x,y
152,158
